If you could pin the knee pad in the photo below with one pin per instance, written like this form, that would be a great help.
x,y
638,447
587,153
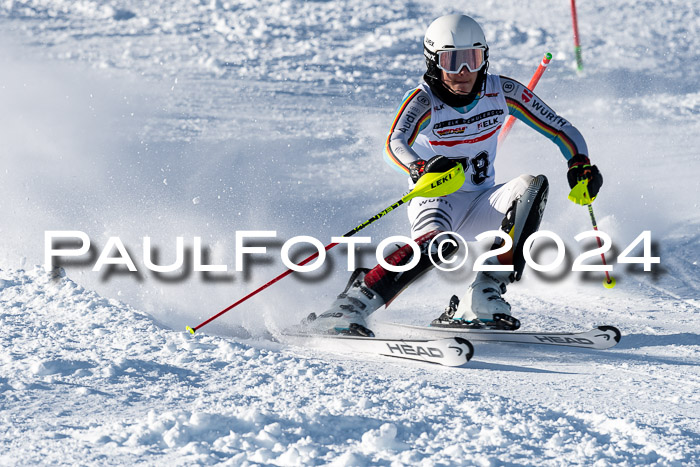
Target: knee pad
x,y
522,220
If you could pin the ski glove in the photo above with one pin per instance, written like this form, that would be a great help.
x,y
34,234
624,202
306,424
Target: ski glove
x,y
580,168
436,164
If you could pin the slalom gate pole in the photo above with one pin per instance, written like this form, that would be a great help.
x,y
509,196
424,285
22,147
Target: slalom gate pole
x,y
429,185
531,86
577,45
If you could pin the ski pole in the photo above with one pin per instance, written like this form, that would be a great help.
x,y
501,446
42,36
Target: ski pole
x,y
579,195
577,45
430,185
531,86
609,281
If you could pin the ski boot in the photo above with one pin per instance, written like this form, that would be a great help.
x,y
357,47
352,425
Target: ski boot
x,y
483,307
348,313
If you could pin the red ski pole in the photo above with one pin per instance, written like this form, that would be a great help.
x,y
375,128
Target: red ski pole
x,y
577,45
579,195
531,86
609,281
430,185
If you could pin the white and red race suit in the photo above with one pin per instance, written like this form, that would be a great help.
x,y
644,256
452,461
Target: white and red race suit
x,y
425,126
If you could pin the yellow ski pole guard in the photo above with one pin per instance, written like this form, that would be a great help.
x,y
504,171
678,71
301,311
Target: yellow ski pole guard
x,y
579,194
434,185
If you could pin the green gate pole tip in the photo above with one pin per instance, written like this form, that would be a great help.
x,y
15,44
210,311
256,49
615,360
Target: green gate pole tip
x,y
190,330
579,58
549,56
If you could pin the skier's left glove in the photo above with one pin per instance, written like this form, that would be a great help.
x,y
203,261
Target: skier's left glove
x,y
580,168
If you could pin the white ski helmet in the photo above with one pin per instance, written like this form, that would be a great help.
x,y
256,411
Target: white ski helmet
x,y
457,33
452,32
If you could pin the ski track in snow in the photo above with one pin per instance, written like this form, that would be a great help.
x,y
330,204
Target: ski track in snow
x,y
145,393
185,118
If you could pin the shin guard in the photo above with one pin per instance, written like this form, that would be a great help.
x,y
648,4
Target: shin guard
x,y
389,284
522,220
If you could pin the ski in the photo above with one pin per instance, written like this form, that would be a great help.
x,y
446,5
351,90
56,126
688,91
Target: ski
x,y
448,351
601,337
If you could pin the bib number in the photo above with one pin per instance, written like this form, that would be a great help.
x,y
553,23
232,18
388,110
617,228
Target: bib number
x,y
480,167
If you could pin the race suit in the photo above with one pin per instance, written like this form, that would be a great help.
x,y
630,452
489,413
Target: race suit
x,y
425,127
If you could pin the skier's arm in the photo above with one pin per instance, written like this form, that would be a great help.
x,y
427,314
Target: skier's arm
x,y
413,115
526,106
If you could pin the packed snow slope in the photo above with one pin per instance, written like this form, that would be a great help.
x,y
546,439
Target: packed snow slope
x,y
201,119
89,380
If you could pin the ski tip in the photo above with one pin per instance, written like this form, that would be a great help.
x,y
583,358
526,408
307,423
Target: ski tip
x,y
618,334
470,352
190,330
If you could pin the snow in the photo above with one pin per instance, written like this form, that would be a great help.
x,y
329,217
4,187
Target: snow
x,y
204,118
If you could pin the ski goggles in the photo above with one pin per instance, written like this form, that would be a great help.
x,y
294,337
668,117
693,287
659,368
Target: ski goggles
x,y
452,60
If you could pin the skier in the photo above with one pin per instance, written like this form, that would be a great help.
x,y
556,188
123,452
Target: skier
x,y
455,117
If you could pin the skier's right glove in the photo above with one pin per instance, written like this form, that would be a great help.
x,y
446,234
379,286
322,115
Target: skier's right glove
x,y
580,168
436,164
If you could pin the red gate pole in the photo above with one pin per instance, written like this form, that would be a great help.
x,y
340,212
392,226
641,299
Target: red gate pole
x,y
531,85
577,44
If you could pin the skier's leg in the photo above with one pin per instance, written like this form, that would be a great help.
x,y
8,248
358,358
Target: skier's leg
x,y
483,303
367,290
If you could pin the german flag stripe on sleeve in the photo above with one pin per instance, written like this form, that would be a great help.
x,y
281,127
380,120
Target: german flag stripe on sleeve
x,y
387,146
422,123
566,145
